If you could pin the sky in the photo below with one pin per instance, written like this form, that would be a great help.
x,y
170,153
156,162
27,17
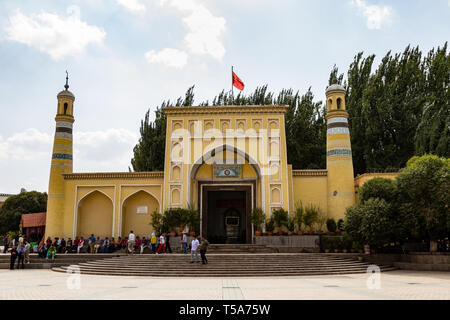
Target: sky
x,y
126,56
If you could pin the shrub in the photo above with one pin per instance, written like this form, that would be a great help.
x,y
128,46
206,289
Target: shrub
x,y
270,225
325,243
157,222
331,225
311,216
193,219
175,219
280,217
257,218
381,188
298,215
291,224
370,223
423,196
340,225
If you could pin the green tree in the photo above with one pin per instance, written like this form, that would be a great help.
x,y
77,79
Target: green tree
x,y
148,155
424,196
381,188
392,104
358,76
371,222
433,132
15,206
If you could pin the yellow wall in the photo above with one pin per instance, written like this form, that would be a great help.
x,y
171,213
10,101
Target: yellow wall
x,y
117,186
139,223
95,215
310,190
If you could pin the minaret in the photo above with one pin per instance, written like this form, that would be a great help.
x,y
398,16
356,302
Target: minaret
x,y
341,188
61,162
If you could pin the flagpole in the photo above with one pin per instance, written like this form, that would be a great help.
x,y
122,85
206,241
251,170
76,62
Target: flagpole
x,y
232,92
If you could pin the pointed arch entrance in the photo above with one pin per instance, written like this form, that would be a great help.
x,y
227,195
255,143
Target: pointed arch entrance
x,y
217,195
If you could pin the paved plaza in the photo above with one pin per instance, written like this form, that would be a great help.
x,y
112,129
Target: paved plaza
x,y
46,284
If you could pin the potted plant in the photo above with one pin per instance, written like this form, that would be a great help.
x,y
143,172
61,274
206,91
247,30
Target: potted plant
x,y
347,243
326,244
298,218
257,218
190,220
337,244
270,226
340,225
331,226
157,222
280,218
291,226
310,217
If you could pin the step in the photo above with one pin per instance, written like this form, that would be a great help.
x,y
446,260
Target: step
x,y
230,274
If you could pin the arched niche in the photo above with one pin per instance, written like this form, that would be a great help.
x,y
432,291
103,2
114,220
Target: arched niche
x,y
137,212
95,215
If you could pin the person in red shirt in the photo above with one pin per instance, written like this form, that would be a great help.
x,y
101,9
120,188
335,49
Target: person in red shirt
x,y
144,243
138,242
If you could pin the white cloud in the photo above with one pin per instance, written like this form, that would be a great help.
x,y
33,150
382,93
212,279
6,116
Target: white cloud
x,y
25,145
134,6
107,150
25,156
204,29
376,15
57,36
168,56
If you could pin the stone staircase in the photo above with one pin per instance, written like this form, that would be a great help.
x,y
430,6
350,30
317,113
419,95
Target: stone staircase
x,y
240,248
223,265
61,260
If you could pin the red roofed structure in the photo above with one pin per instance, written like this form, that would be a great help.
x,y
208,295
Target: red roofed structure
x,y
33,225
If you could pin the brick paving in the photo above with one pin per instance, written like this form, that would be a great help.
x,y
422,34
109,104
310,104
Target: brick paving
x,y
46,284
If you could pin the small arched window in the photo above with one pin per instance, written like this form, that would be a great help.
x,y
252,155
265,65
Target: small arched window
x,y
330,103
339,102
65,107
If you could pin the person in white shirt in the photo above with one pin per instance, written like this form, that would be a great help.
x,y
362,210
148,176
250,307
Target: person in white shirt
x,y
184,242
194,247
162,243
131,241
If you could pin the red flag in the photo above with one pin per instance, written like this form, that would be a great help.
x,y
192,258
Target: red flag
x,y
237,82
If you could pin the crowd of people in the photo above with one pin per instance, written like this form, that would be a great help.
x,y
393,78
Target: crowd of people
x,y
48,249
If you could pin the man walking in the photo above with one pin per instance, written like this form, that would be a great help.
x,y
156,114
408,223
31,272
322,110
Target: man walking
x,y
130,243
194,247
162,243
203,247
184,242
27,250
13,257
